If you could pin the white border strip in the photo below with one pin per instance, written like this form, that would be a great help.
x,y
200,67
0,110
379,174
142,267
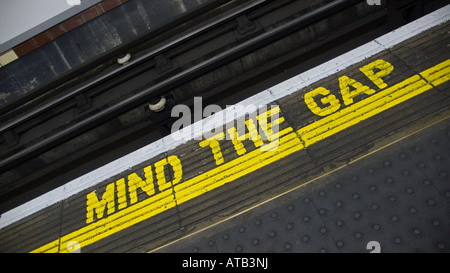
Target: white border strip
x,y
263,98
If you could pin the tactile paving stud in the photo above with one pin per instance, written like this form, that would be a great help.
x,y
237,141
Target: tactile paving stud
x,y
287,246
290,226
397,240
239,248
412,210
395,219
305,238
436,223
427,182
441,246
421,165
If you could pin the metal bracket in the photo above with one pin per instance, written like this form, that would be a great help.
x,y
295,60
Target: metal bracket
x,y
83,103
11,138
246,29
163,64
244,25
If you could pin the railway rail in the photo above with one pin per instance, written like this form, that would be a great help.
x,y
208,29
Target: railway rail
x,y
348,162
59,135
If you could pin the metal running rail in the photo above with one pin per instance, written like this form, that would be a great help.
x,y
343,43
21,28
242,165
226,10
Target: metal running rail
x,y
176,80
230,15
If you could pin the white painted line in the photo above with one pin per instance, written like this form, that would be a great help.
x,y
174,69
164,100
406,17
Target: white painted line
x,y
265,97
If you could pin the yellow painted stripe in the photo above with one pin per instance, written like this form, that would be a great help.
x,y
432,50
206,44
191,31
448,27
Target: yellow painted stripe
x,y
255,160
185,191
235,169
437,74
115,222
363,110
